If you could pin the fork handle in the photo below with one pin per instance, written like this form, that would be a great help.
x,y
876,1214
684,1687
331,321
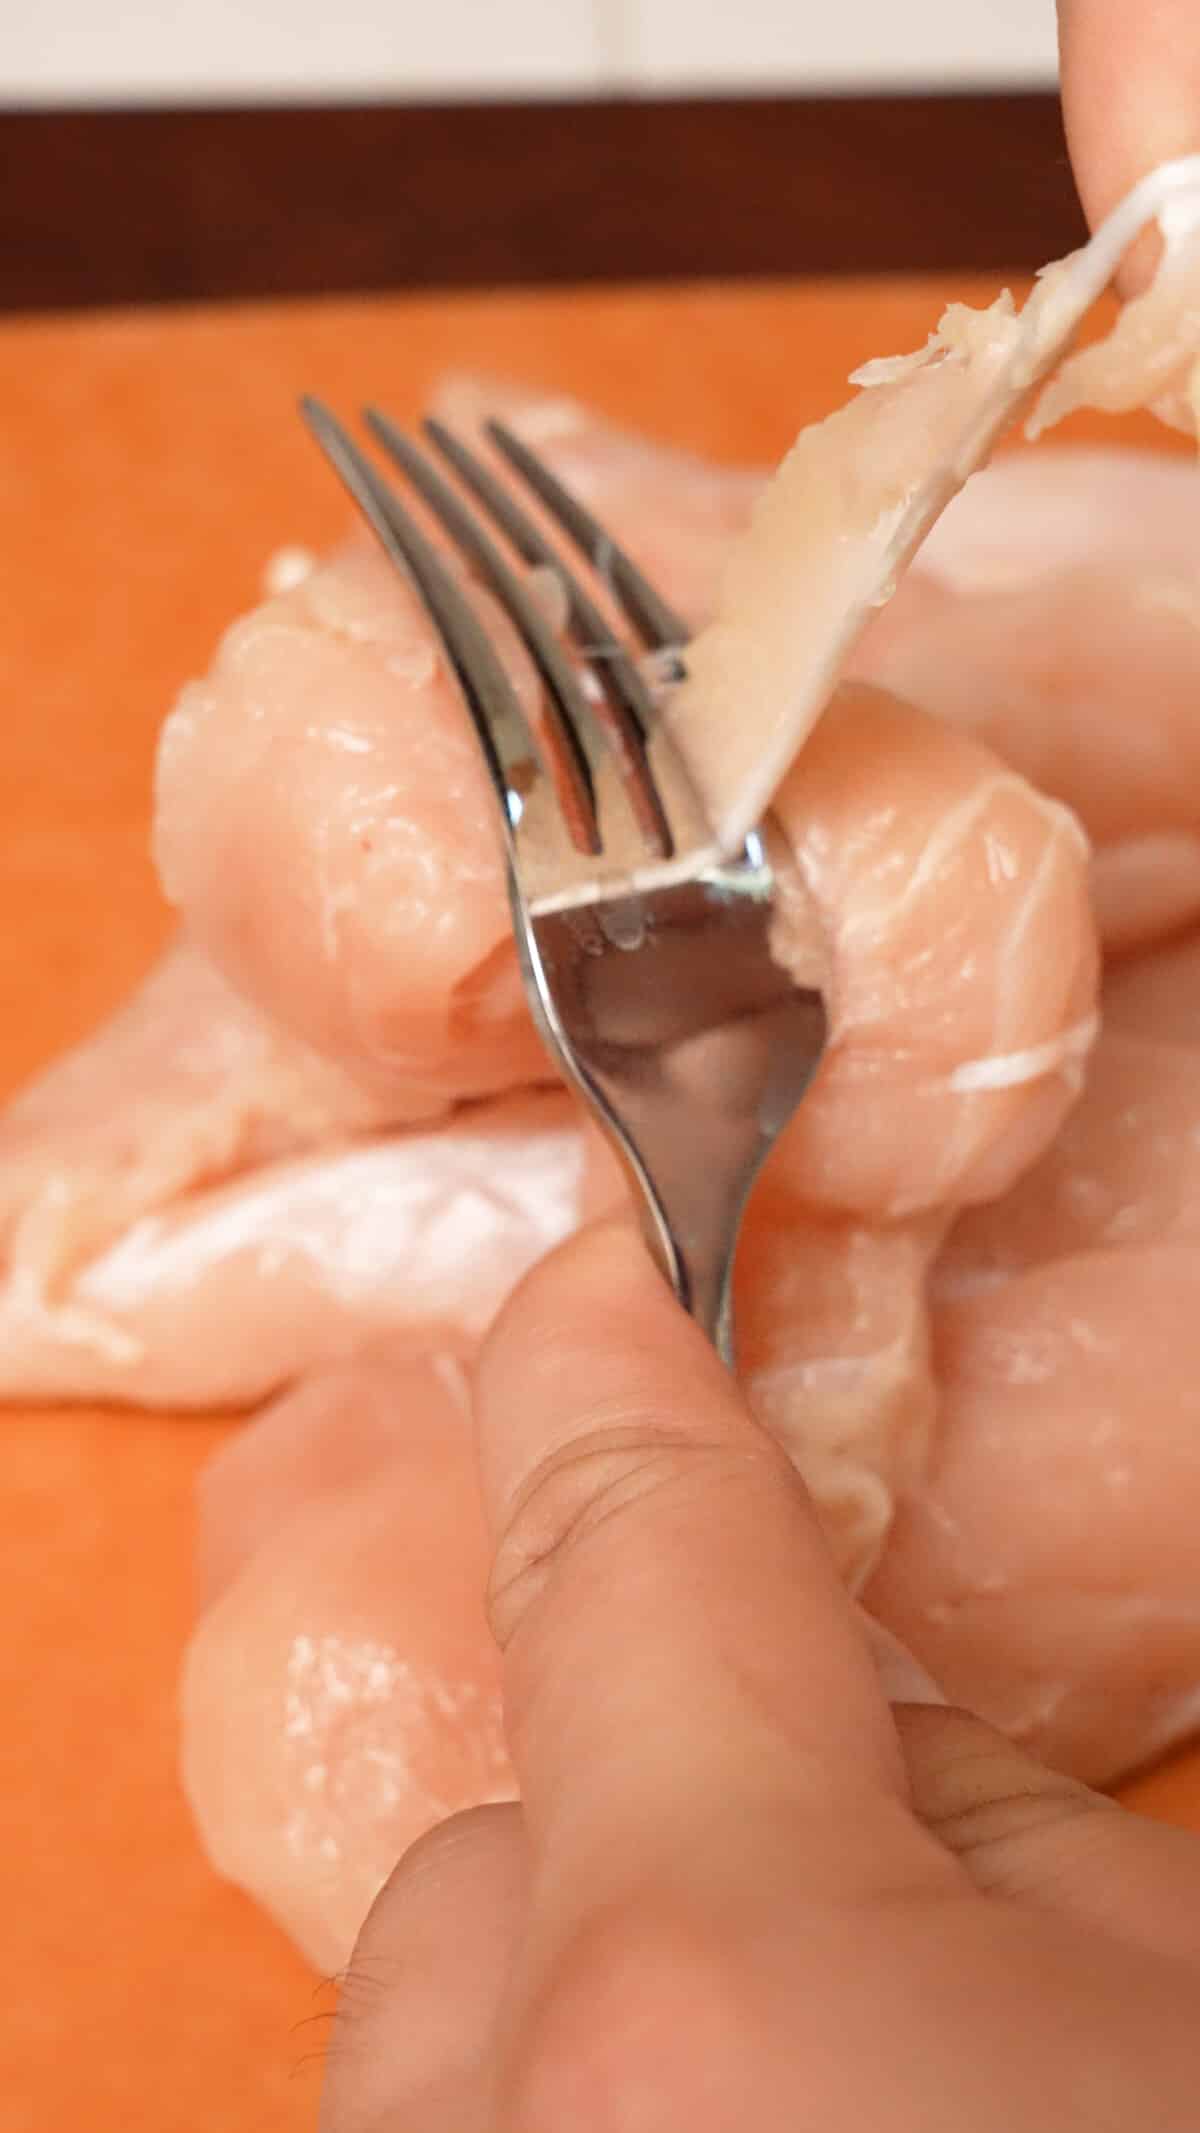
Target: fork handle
x,y
691,1227
692,1049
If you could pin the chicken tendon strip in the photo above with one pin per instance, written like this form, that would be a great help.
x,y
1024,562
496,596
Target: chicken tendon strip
x,y
326,830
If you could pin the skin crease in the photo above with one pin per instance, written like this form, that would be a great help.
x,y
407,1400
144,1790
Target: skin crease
x,y
740,1891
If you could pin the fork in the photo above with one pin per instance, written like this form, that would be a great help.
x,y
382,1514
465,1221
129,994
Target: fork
x,y
645,953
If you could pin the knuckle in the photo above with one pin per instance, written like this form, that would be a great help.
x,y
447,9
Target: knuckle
x,y
611,1475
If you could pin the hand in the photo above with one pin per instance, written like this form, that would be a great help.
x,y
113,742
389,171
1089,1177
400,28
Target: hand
x,y
1131,91
741,1892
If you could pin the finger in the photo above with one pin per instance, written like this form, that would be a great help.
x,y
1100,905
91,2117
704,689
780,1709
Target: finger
x,y
685,1676
419,2003
901,1676
1024,1831
1131,91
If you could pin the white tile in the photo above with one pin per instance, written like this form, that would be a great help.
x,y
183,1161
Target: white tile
x,y
834,44
297,50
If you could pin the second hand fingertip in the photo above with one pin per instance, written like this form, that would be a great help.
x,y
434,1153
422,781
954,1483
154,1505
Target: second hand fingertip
x,y
902,1677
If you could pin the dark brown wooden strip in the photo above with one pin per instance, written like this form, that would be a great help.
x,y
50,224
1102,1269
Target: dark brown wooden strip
x,y
112,207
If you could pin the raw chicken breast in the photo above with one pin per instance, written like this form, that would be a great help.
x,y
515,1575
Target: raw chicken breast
x,y
227,1293
187,1084
835,1356
1045,1569
323,816
411,968
342,1693
328,833
1150,359
871,1132
1113,540
940,901
1042,1561
1046,1466
1058,591
960,961
858,492
947,904
325,821
1046,1566
1033,514
1123,1173
187,1087
951,909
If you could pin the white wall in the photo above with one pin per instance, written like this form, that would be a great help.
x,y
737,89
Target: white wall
x,y
111,51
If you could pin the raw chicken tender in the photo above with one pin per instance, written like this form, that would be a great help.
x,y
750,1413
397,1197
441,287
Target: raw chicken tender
x,y
323,816
187,1087
187,1084
224,1295
1055,614
961,964
1150,359
883,802
942,902
1045,1567
342,1693
858,492
835,1356
203,1086
326,822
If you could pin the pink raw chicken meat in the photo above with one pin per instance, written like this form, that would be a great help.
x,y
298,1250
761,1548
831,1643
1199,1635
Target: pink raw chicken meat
x,y
1059,591
342,1693
1030,565
944,903
1046,1567
229,1291
956,1047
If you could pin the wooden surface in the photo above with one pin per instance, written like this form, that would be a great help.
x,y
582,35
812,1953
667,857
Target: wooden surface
x,y
107,207
148,466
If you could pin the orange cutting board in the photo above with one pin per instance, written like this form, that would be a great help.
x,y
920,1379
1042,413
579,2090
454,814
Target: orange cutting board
x,y
149,465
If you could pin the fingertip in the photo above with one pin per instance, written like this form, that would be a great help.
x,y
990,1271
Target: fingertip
x,y
594,1327
902,1677
421,1993
602,1275
1131,101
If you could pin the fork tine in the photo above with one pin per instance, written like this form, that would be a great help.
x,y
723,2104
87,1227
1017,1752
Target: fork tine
x,y
582,726
629,711
510,748
614,667
591,628
659,627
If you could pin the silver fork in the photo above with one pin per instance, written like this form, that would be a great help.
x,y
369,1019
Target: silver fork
x,y
645,956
